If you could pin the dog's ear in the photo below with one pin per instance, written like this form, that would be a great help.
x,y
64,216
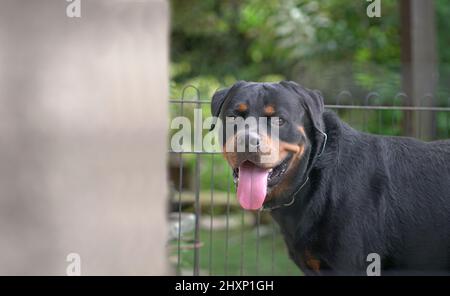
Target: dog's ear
x,y
217,101
216,104
312,101
316,108
220,96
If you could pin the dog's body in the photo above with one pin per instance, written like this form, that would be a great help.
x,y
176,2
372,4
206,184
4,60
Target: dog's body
x,y
372,194
353,194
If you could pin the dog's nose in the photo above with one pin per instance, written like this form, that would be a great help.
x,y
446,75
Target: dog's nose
x,y
253,141
248,142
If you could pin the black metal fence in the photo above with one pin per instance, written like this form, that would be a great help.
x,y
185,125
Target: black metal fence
x,y
211,235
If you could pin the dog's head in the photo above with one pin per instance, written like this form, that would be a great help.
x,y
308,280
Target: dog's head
x,y
269,137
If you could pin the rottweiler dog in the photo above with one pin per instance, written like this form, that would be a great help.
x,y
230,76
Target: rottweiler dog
x,y
343,198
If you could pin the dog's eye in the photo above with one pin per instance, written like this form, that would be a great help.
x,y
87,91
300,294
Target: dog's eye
x,y
277,121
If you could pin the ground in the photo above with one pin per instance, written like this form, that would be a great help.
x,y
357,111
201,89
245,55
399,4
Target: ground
x,y
266,257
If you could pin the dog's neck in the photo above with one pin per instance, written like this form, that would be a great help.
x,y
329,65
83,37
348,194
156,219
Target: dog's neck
x,y
306,211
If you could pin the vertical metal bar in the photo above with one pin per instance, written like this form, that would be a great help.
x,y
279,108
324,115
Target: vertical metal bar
x,y
227,233
198,130
427,130
350,114
258,221
448,120
366,114
434,117
419,124
180,189
380,115
393,115
288,270
380,120
337,103
273,247
402,101
212,216
242,242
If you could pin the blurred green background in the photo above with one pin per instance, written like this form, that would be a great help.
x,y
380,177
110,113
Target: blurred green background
x,y
329,45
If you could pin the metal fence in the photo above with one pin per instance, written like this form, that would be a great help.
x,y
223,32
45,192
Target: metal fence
x,y
211,235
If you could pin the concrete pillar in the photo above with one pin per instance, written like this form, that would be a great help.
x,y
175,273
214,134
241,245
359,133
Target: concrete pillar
x,y
83,108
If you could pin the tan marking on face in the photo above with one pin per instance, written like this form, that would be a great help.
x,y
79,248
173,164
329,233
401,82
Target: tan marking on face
x,y
270,152
267,155
296,157
302,131
285,147
242,107
269,110
230,156
294,148
274,152
311,261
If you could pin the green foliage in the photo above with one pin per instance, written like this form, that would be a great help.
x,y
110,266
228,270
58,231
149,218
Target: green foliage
x,y
443,23
330,45
218,42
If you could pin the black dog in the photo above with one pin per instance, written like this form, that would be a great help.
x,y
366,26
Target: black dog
x,y
339,194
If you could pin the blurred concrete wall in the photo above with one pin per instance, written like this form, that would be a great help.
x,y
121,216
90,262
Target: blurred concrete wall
x,y
83,136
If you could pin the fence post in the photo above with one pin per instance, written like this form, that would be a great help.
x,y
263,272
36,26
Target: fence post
x,y
419,63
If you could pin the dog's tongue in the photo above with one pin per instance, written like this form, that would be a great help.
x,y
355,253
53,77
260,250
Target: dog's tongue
x,y
252,187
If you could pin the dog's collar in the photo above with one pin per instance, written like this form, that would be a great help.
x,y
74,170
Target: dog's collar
x,y
325,139
292,201
288,204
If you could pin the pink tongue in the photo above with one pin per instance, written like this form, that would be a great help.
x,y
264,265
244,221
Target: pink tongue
x,y
252,187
